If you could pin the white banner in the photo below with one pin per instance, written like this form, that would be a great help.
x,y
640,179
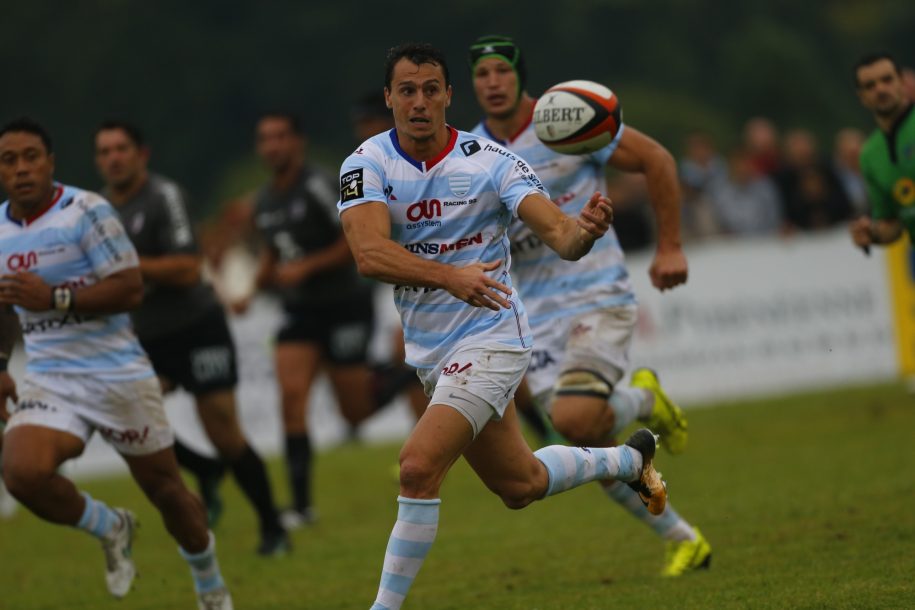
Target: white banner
x,y
767,316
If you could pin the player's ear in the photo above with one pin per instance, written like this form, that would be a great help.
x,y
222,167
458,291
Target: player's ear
x,y
448,93
387,98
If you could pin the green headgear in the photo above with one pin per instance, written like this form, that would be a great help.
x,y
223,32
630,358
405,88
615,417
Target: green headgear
x,y
501,47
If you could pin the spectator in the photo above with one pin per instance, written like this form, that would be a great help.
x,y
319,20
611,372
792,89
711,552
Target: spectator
x,y
702,165
760,140
812,196
745,202
908,83
846,164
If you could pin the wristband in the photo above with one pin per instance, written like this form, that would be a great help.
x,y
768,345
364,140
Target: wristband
x,y
62,298
4,362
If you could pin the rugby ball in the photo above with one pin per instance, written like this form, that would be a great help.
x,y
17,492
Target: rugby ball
x,y
577,117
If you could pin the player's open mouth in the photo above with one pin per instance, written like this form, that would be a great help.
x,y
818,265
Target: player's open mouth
x,y
496,99
419,119
24,187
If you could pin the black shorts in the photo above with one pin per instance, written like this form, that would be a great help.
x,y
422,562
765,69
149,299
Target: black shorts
x,y
343,330
200,357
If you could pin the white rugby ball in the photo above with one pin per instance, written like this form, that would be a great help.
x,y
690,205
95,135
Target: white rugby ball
x,y
577,117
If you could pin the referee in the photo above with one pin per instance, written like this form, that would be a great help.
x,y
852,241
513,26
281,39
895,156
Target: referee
x,y
181,324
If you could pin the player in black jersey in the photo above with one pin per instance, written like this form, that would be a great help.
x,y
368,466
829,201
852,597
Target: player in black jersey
x,y
181,324
328,306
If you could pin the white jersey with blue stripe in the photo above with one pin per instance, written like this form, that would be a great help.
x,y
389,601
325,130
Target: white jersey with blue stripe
x,y
76,241
552,288
454,209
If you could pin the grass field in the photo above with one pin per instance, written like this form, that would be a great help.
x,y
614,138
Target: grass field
x,y
807,501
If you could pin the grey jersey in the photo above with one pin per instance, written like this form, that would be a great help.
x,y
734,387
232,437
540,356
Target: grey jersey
x,y
157,221
302,221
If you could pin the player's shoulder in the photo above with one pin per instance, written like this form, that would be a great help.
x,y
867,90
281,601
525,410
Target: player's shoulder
x,y
82,199
163,187
376,148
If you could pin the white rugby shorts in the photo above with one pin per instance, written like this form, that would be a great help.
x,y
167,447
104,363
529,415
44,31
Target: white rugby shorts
x,y
478,381
129,415
597,341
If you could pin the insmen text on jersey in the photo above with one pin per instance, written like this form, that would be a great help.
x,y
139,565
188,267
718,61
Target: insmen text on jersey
x,y
552,288
454,209
76,241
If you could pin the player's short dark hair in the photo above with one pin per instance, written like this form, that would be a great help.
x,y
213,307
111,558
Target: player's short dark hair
x,y
28,125
872,58
130,129
417,52
295,123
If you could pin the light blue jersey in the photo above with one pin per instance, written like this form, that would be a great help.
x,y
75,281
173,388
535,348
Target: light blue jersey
x,y
554,289
454,209
76,241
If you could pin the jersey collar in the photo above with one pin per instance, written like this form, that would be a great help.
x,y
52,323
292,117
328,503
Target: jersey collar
x,y
515,135
58,192
425,166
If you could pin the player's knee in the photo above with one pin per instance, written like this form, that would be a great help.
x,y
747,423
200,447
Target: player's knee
x,y
419,476
25,480
517,494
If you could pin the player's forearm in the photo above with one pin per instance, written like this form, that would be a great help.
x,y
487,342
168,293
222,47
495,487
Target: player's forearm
x,y
180,270
572,242
664,194
116,293
386,261
335,255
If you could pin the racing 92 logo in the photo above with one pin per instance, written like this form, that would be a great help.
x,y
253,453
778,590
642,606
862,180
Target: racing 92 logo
x,y
22,261
427,208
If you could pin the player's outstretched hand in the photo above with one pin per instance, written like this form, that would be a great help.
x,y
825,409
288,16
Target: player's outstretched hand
x,y
26,290
668,269
596,216
7,392
474,287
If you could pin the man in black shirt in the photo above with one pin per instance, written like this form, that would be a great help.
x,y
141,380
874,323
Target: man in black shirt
x,y
181,324
328,306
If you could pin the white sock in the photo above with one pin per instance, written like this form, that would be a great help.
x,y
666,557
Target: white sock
x,y
97,518
570,467
629,404
669,525
204,567
410,541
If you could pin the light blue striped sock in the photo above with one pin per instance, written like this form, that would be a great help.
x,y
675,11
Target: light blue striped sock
x,y
669,525
628,404
570,467
204,568
413,535
97,519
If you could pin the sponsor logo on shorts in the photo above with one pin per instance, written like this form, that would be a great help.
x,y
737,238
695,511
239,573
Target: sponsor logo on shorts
x,y
351,185
125,437
211,363
455,367
526,244
581,329
540,358
30,404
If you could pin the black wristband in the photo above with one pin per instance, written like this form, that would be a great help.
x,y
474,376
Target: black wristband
x,y
4,363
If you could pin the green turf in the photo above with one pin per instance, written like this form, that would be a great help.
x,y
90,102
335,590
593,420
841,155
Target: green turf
x,y
807,502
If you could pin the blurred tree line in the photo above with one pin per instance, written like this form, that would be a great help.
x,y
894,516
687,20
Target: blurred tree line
x,y
195,75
